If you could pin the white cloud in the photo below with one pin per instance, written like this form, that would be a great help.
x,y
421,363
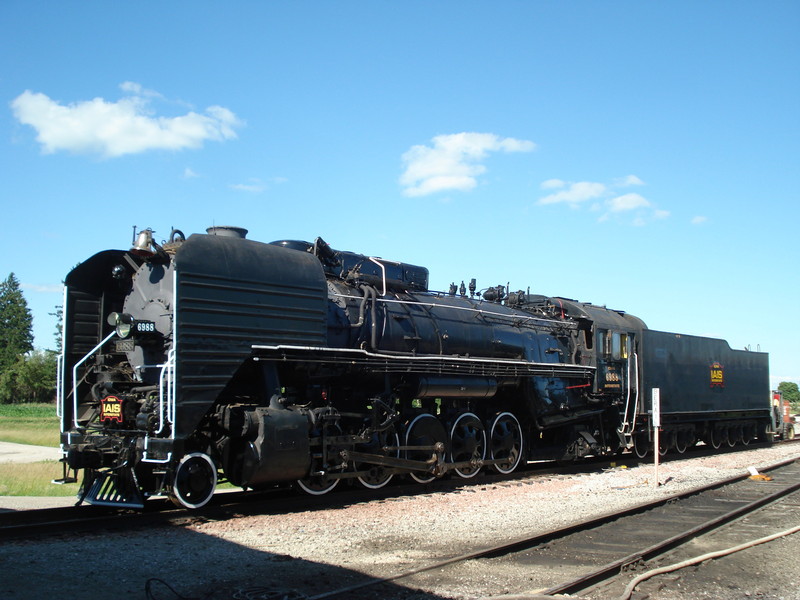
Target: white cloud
x,y
136,89
628,181
126,126
604,199
254,186
575,193
453,161
552,184
699,220
189,173
627,202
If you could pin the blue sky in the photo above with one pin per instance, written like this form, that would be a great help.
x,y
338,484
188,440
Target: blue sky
x,y
639,155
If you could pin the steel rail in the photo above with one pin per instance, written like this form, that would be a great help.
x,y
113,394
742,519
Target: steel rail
x,y
616,567
540,538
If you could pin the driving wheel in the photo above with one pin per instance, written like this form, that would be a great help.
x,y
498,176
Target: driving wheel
x,y
467,443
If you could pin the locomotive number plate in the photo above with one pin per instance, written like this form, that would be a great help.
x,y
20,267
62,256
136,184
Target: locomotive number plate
x,y
124,345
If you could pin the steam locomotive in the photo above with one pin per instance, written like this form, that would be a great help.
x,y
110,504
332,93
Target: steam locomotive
x,y
219,358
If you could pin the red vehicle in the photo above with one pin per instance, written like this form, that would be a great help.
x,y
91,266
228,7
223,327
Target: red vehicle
x,y
784,421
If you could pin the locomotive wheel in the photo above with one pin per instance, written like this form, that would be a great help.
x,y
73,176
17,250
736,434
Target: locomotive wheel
x,y
505,443
424,430
641,447
467,442
377,477
716,438
748,434
195,481
734,435
681,441
317,485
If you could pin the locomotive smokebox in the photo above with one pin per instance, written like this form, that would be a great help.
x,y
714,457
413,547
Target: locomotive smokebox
x,y
227,231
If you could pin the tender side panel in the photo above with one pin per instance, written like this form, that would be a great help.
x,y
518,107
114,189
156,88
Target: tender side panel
x,y
232,294
697,374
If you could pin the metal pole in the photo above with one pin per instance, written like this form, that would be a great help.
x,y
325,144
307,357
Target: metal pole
x,y
655,454
656,426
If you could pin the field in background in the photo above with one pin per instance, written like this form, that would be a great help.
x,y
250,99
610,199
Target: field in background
x,y
35,424
33,479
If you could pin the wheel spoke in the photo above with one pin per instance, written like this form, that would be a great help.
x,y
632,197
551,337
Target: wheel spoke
x,y
424,430
467,443
506,442
317,485
376,476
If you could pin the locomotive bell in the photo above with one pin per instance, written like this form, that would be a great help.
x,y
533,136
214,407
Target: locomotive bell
x,y
143,245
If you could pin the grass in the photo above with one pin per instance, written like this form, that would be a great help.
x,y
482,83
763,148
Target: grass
x,y
35,424
33,479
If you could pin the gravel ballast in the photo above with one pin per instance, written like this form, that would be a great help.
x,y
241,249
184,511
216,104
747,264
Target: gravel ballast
x,y
332,547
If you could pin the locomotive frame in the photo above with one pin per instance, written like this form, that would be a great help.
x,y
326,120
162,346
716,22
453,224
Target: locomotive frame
x,y
216,357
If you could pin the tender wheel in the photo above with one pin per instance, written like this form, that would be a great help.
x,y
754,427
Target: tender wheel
x,y
748,434
195,481
716,438
788,431
641,446
424,430
376,476
505,442
732,437
681,441
467,443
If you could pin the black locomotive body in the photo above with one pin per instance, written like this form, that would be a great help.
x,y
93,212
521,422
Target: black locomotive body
x,y
217,357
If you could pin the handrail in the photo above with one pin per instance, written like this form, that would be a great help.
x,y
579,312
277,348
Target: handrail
x,y
60,389
75,376
636,396
383,273
166,381
627,426
166,406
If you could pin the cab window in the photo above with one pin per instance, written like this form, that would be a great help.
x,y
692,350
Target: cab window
x,y
615,344
604,342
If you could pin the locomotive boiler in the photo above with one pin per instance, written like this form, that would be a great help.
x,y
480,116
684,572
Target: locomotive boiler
x,y
216,357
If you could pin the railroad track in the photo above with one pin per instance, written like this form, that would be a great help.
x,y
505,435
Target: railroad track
x,y
158,511
592,555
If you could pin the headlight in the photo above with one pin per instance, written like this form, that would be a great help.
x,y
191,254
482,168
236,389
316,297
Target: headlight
x,y
123,323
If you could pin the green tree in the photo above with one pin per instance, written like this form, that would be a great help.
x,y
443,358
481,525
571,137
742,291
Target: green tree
x,y
790,392
59,334
32,378
16,322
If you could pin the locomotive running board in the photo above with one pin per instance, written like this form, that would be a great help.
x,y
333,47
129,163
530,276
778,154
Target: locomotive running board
x,y
428,363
